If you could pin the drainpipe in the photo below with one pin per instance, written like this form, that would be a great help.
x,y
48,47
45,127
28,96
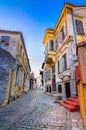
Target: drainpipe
x,y
75,42
74,27
19,66
12,70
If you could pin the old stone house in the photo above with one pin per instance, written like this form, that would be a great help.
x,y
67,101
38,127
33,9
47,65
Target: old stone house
x,y
14,66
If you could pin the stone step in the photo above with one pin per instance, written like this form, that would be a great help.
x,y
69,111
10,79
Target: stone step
x,y
69,107
75,100
75,104
71,104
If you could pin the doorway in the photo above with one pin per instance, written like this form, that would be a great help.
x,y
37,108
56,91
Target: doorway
x,y
67,89
11,75
50,89
47,89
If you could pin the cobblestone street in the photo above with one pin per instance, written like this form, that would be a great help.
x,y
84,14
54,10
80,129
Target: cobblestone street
x,y
36,111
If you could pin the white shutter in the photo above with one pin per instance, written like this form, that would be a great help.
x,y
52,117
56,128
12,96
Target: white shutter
x,y
61,66
57,67
56,43
65,29
46,50
68,56
70,25
59,37
43,75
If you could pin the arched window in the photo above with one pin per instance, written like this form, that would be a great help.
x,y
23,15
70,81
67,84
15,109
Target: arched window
x,y
79,27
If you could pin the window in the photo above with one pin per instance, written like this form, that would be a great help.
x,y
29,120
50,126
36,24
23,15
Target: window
x,y
46,50
5,40
48,74
56,44
59,88
23,57
53,69
79,27
58,67
62,33
64,62
47,77
51,45
21,51
59,36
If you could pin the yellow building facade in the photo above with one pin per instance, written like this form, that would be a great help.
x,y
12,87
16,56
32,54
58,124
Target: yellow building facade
x,y
60,54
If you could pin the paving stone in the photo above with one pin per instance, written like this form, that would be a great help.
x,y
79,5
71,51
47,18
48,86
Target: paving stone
x,y
20,129
63,128
36,111
44,129
74,128
57,128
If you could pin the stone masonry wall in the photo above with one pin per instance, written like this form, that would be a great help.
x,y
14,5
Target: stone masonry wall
x,y
6,62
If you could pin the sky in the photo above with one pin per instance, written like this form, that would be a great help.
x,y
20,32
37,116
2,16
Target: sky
x,y
32,18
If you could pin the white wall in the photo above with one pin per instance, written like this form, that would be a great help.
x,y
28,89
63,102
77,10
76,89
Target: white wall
x,y
70,25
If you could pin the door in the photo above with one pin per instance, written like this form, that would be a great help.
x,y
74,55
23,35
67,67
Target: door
x,y
50,89
10,88
53,83
67,89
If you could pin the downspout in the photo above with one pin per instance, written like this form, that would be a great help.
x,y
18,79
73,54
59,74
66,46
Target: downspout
x,y
75,42
19,66
74,27
10,88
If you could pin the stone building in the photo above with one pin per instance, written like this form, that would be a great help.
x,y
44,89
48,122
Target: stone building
x,y
14,66
5,66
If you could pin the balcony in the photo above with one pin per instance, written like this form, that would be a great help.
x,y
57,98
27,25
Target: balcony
x,y
63,44
50,58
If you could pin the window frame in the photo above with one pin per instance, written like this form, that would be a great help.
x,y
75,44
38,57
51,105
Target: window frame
x,y
3,41
79,29
64,59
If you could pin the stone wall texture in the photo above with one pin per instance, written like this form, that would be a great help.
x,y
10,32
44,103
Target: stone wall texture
x,y
7,62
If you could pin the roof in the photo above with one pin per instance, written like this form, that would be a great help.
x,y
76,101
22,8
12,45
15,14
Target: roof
x,y
16,32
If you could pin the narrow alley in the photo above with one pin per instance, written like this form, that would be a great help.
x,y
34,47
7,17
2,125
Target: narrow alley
x,y
36,111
